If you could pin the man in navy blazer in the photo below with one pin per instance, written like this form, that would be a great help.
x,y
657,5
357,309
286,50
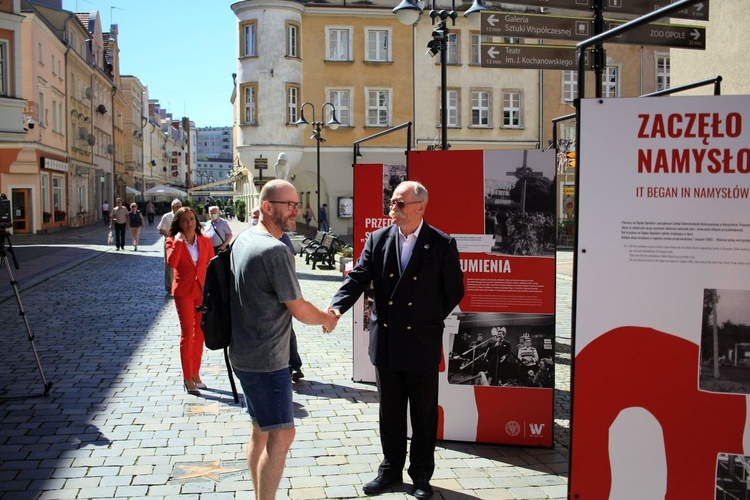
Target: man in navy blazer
x,y
417,282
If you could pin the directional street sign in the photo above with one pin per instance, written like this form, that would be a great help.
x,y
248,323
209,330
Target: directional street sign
x,y
613,7
498,55
670,35
536,26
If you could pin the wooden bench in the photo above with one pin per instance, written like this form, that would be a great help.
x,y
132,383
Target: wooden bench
x,y
308,242
324,253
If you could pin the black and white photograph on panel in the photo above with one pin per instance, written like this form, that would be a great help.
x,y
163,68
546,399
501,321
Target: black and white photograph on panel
x,y
732,474
725,341
519,201
496,349
393,175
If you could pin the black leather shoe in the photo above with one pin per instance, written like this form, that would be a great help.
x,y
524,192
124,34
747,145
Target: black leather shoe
x,y
422,489
380,484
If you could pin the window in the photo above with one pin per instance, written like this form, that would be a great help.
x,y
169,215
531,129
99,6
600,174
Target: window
x,y
510,39
52,60
249,39
58,192
378,107
250,103
662,71
610,81
44,178
480,108
292,103
453,107
476,46
338,41
40,53
378,46
54,116
341,100
512,108
569,85
4,77
452,45
292,40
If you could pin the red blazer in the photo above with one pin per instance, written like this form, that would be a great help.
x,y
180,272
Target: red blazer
x,y
187,275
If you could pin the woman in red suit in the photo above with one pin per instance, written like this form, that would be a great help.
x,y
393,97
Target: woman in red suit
x,y
188,252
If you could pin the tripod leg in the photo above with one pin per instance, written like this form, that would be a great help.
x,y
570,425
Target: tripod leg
x,y
22,313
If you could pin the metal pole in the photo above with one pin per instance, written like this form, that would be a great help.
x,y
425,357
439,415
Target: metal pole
x,y
317,141
443,87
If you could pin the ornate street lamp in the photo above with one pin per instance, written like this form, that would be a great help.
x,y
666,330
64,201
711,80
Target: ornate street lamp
x,y
333,124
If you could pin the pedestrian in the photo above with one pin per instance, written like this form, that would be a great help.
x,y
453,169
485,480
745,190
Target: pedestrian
x,y
188,253
135,223
295,360
323,218
105,213
120,221
417,281
150,212
164,224
218,229
308,215
265,297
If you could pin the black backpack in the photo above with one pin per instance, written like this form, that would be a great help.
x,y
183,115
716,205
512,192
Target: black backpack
x,y
217,317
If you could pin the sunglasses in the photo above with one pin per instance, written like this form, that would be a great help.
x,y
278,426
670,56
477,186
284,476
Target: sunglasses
x,y
402,204
291,205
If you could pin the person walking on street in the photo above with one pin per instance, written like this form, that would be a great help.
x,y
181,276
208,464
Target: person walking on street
x,y
120,221
323,218
417,281
105,213
218,229
150,212
188,252
308,215
164,224
135,223
265,297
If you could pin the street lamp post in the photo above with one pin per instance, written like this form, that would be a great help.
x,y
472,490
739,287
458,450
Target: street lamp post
x,y
333,124
409,12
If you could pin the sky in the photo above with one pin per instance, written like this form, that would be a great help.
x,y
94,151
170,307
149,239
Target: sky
x,y
184,52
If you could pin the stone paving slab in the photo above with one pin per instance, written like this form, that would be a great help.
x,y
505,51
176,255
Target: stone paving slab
x,y
118,424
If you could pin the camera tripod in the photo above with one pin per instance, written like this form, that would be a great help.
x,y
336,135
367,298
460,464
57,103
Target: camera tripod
x,y
21,311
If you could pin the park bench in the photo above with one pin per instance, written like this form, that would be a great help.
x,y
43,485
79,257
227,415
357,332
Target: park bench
x,y
324,253
308,242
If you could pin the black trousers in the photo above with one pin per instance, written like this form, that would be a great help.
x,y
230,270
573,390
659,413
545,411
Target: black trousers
x,y
418,390
120,235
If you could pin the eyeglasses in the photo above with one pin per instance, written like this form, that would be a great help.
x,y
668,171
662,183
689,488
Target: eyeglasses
x,y
402,204
291,205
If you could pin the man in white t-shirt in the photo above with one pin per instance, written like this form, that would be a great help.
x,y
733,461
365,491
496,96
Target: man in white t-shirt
x,y
163,227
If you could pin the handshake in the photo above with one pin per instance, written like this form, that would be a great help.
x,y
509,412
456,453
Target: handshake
x,y
332,319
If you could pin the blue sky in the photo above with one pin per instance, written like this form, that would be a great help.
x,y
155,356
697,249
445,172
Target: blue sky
x,y
185,52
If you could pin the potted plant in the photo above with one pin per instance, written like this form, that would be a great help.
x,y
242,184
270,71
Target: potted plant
x,y
346,255
46,216
60,215
240,207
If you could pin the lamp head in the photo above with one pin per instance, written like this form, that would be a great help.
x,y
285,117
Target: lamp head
x,y
333,123
475,10
301,122
408,12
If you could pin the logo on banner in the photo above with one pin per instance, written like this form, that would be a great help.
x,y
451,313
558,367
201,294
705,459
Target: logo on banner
x,y
536,430
513,428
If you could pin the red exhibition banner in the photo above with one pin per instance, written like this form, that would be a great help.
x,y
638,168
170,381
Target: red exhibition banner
x,y
662,306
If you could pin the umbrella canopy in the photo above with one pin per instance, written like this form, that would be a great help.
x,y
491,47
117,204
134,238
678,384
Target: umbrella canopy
x,y
165,190
130,190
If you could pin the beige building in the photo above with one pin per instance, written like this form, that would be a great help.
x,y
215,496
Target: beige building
x,y
133,122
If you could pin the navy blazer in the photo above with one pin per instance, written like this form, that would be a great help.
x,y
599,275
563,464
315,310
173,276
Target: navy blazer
x,y
409,309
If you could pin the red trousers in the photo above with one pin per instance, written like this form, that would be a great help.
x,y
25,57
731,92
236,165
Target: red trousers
x,y
191,334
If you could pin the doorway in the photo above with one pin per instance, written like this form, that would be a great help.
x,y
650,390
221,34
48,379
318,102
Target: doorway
x,y
20,203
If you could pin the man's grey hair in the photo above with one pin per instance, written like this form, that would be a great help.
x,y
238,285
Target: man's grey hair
x,y
420,192
176,202
211,209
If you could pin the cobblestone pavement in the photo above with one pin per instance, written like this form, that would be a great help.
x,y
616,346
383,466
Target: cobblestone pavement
x,y
118,424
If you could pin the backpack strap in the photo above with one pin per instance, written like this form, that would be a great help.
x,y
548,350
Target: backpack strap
x,y
217,232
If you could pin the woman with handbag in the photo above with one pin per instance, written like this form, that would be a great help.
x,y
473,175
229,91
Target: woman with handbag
x,y
188,253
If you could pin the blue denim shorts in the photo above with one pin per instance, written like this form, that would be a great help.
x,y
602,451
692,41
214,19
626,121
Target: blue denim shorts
x,y
268,397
